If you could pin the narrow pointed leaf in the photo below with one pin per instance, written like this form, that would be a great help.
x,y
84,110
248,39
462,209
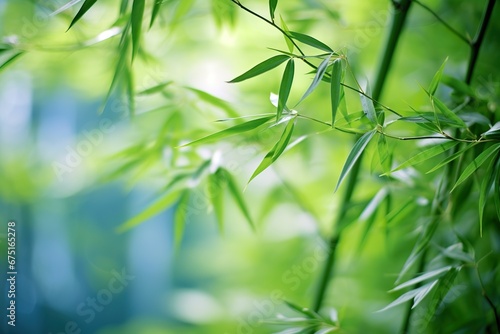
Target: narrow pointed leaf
x,y
311,41
237,196
136,22
458,85
277,149
496,189
272,8
476,163
181,214
441,107
335,92
426,154
156,88
450,158
263,67
240,128
423,293
383,154
285,87
10,60
85,7
156,10
404,298
215,101
354,155
154,209
422,278
317,78
483,193
216,186
287,39
368,107
437,77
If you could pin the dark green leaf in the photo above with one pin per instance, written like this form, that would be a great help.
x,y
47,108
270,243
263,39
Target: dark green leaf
x,y
136,23
426,154
263,67
285,87
317,78
354,155
154,209
437,77
484,191
272,8
476,163
155,89
277,150
240,128
85,7
236,194
10,59
335,92
311,41
156,9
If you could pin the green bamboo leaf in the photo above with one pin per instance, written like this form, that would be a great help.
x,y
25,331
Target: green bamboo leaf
x,y
64,7
285,87
421,278
85,7
136,24
154,209
424,292
272,8
156,88
368,107
335,92
317,78
484,191
493,132
287,39
180,216
476,163
223,12
444,286
383,153
10,60
425,155
236,194
156,9
451,158
458,85
277,149
215,101
240,128
447,112
123,6
311,41
406,297
216,185
354,155
263,67
496,189
437,77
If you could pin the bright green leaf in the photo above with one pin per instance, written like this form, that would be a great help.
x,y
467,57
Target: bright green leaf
x,y
155,89
426,154
10,60
287,39
277,150
437,77
156,9
476,163
311,41
154,209
354,155
216,185
263,67
285,87
447,112
335,92
180,216
240,128
458,85
317,78
238,198
451,158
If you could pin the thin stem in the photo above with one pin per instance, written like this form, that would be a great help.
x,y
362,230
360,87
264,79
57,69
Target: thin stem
x,y
450,28
488,300
398,21
478,40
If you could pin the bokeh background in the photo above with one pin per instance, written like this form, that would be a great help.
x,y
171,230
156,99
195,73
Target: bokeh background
x,y
70,175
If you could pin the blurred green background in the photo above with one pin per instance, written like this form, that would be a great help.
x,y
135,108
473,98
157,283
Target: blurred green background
x,y
69,176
